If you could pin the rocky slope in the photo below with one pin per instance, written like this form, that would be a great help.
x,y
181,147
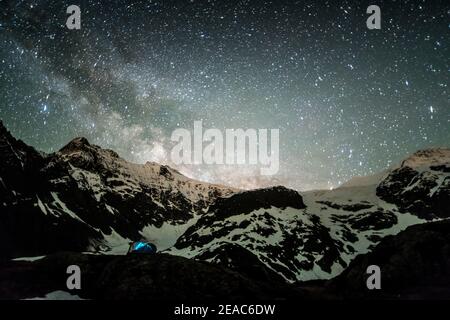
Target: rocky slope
x,y
85,198
305,237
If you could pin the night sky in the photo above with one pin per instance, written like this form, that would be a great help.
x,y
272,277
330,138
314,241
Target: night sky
x,y
348,101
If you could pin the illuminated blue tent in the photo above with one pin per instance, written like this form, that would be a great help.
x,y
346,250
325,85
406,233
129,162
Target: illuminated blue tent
x,y
142,247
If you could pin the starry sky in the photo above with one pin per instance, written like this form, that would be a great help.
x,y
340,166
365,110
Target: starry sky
x,y
348,101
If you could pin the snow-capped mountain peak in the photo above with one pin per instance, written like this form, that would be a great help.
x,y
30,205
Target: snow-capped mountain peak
x,y
428,157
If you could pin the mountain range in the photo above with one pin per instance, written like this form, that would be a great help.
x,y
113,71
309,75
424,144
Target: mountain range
x,y
91,203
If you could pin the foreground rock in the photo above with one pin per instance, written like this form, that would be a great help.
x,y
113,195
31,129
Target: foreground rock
x,y
415,264
140,277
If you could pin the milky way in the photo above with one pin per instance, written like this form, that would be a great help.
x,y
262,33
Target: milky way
x,y
348,101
